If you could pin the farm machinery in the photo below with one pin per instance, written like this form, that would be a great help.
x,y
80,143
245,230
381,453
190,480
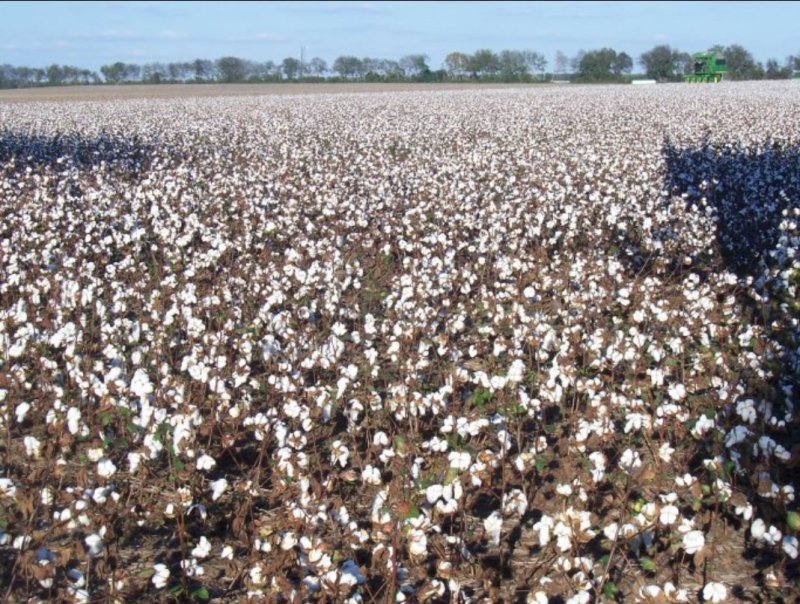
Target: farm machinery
x,y
707,67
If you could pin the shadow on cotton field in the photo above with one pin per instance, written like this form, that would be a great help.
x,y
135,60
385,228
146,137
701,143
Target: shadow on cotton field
x,y
120,156
751,195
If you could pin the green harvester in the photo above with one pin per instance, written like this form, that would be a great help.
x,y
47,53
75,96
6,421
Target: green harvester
x,y
707,67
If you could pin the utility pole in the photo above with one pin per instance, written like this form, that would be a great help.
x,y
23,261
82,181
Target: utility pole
x,y
302,60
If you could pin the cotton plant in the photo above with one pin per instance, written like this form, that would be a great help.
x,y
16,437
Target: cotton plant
x,y
261,314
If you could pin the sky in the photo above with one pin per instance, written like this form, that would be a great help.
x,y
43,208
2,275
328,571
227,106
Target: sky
x,y
91,34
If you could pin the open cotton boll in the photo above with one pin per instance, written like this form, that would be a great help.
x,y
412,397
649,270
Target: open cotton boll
x,y
714,592
106,468
493,525
693,542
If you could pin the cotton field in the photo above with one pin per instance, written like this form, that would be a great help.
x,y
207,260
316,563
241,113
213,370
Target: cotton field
x,y
520,345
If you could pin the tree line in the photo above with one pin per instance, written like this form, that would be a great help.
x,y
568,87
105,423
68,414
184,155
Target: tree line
x,y
662,63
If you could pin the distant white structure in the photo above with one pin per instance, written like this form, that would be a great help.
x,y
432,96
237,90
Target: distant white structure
x,y
643,81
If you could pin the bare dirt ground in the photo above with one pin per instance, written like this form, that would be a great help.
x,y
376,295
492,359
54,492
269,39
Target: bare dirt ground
x,y
147,91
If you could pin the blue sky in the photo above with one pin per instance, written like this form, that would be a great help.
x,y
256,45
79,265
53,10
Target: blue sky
x,y
90,34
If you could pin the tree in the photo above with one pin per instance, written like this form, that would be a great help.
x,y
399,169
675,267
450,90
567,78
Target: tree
x,y
535,61
154,73
622,64
231,69
113,73
598,65
347,66
663,63
55,74
457,64
290,67
484,62
415,65
561,63
317,66
513,65
741,65
204,69
575,61
775,72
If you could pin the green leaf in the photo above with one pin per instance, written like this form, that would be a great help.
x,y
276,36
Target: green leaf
x,y
175,590
540,464
413,512
201,593
610,590
105,418
793,520
647,564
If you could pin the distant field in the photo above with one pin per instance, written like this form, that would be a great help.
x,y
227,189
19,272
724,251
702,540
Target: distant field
x,y
155,91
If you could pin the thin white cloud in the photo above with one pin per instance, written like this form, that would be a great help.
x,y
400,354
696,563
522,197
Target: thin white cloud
x,y
108,34
169,34
260,37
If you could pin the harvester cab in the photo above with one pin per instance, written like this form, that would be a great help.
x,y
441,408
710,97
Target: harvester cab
x,y
707,67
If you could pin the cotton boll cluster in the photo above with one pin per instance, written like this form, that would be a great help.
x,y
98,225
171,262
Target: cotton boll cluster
x,y
321,340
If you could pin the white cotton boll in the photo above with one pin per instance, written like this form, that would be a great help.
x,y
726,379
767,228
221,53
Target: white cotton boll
x,y
677,392
433,493
758,529
515,502
339,453
582,597
493,525
106,468
536,597
140,384
21,411
630,461
693,542
202,549
611,531
76,577
417,543
226,553
73,420
218,487
94,543
192,568
134,459
460,460
714,592
205,462
498,382
516,372
33,447
371,475
288,541
790,546
161,576
669,515
7,487
564,489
